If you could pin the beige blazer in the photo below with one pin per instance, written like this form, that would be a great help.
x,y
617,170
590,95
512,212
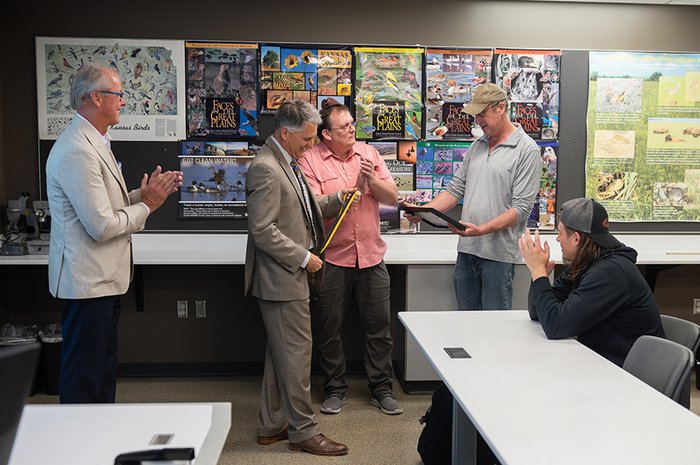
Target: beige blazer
x,y
278,228
92,216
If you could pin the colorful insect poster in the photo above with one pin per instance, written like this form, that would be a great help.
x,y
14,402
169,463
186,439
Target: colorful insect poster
x,y
320,76
389,93
643,153
531,80
451,76
153,84
222,96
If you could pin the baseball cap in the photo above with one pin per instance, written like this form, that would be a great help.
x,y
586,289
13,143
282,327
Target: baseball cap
x,y
484,95
588,216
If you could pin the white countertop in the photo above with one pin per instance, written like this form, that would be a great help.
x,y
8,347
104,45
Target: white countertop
x,y
427,249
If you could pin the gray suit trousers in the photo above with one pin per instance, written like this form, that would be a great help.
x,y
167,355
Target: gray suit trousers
x,y
286,386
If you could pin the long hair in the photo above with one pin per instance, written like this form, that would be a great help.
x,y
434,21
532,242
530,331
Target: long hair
x,y
588,253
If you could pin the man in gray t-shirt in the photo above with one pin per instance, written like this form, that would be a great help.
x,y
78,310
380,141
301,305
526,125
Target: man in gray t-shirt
x,y
498,182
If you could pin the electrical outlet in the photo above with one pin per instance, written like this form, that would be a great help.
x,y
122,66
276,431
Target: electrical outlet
x,y
182,309
200,308
696,306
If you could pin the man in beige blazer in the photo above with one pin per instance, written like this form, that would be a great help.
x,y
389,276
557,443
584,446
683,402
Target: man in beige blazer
x,y
285,232
93,215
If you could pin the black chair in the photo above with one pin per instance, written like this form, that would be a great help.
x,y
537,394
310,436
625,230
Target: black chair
x,y
662,364
687,334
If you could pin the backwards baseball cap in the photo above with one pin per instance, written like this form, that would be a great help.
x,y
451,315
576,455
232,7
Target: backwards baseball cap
x,y
588,216
484,95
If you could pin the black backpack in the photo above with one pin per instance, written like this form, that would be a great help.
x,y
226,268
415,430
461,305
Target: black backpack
x,y
435,441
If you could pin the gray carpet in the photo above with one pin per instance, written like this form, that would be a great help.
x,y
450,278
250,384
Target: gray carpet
x,y
373,438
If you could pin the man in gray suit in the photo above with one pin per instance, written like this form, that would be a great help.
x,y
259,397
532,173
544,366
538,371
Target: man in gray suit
x,y
93,215
285,232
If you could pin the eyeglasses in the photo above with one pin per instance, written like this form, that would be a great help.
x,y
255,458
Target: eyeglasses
x,y
483,112
345,127
118,94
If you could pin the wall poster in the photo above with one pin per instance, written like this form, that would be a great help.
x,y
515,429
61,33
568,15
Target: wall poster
x,y
319,75
153,82
222,90
389,93
451,76
531,80
213,181
643,151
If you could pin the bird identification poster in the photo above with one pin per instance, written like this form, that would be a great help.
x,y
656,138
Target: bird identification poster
x,y
389,93
531,81
320,76
153,84
451,77
643,150
222,95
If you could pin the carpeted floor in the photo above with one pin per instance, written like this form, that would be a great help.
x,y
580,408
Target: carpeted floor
x,y
373,438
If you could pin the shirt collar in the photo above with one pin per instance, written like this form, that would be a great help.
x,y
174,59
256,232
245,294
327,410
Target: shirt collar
x,y
286,155
326,152
106,137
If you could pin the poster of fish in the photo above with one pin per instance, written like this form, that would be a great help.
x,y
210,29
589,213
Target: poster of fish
x,y
222,95
152,72
319,75
451,76
389,93
531,80
213,180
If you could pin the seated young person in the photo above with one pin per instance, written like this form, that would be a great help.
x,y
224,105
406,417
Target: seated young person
x,y
601,297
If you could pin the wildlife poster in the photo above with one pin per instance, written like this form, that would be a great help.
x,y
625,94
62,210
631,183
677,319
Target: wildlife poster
x,y
319,75
402,173
392,219
388,119
386,149
436,164
643,150
222,92
213,180
389,77
531,81
451,76
543,215
153,82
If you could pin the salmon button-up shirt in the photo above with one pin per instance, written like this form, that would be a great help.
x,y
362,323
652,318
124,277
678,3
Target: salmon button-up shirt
x,y
357,240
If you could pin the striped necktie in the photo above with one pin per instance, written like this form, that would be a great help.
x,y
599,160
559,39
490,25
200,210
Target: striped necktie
x,y
305,197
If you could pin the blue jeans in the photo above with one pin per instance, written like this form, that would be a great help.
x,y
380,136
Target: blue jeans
x,y
482,284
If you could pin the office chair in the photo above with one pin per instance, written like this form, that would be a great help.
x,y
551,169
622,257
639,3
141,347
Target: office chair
x,y
662,364
687,334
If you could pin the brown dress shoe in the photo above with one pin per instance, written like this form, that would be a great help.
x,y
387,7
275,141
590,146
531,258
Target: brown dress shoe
x,y
267,440
319,445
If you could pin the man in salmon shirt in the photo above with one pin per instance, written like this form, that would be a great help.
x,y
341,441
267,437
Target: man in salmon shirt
x,y
354,260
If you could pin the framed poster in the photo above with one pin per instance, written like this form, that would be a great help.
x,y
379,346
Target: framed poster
x,y
153,82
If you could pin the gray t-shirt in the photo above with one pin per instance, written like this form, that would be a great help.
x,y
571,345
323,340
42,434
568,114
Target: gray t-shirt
x,y
492,183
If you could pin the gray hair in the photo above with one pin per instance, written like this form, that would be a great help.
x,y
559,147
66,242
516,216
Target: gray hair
x,y
294,114
89,78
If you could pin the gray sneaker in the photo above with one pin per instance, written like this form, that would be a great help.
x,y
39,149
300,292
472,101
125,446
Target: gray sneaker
x,y
387,405
332,404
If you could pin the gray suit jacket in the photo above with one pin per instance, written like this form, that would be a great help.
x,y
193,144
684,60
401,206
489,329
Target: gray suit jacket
x,y
278,228
92,216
